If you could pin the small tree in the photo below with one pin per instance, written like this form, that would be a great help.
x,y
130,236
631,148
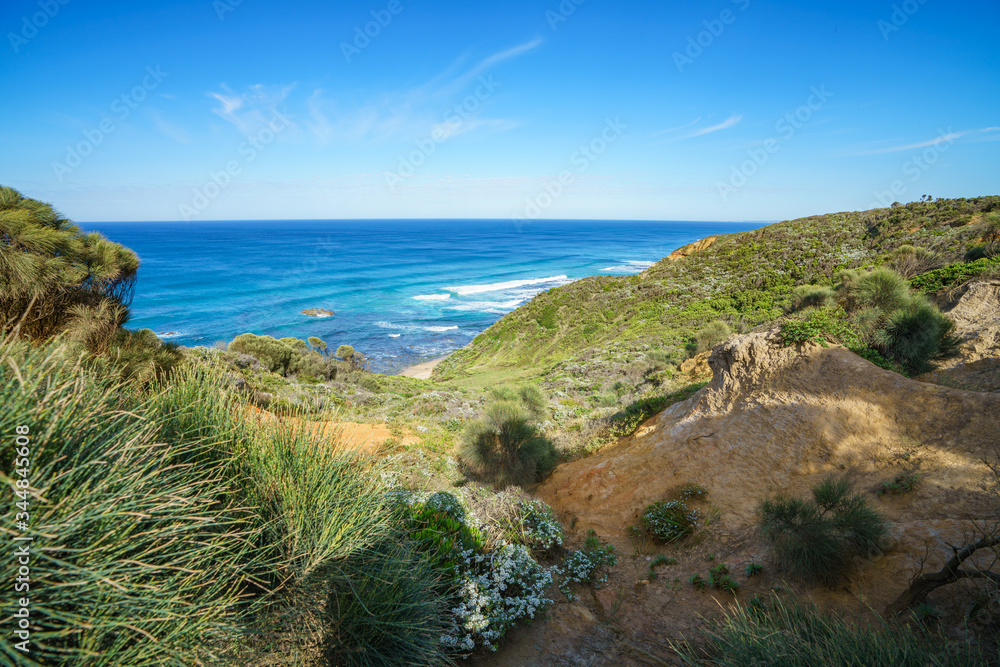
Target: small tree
x,y
345,353
317,344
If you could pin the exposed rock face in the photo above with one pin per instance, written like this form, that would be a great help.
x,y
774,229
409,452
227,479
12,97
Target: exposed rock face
x,y
975,308
779,418
692,248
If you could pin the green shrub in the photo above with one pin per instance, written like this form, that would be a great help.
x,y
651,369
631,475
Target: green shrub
x,y
816,539
901,483
793,634
953,274
812,296
670,520
587,566
915,334
52,273
718,578
908,260
529,396
711,335
504,446
285,356
142,356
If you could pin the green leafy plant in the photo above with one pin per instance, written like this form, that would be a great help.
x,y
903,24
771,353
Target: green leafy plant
x,y
816,539
901,483
657,562
670,520
587,566
753,569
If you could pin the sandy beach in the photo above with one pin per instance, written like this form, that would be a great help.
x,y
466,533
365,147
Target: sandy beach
x,y
423,371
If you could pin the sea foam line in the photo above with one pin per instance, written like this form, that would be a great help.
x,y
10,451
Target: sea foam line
x,y
432,297
465,290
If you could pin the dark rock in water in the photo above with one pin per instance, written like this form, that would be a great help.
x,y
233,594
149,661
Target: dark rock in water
x,y
169,333
318,312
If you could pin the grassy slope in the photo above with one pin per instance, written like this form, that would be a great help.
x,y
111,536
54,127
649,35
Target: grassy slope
x,y
743,278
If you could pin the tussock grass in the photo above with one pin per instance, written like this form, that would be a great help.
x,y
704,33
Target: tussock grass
x,y
792,634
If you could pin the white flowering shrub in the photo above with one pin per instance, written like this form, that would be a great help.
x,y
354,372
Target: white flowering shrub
x,y
542,529
670,520
496,590
587,566
494,586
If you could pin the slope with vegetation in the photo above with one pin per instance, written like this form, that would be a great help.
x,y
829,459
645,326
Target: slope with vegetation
x,y
298,548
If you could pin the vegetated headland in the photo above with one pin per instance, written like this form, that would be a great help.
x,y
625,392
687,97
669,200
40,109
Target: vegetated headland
x,y
771,447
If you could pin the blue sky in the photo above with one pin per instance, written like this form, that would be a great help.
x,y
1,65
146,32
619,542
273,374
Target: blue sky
x,y
722,110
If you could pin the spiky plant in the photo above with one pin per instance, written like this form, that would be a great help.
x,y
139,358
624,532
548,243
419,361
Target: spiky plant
x,y
48,267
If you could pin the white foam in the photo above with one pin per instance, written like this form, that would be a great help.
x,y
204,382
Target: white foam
x,y
387,325
169,334
432,297
494,307
438,329
394,335
465,290
629,265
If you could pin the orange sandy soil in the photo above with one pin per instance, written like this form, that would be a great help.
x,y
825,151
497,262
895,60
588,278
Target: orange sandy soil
x,y
366,438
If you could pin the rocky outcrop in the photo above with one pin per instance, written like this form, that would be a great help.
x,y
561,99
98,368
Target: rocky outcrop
x,y
778,418
692,248
975,309
318,312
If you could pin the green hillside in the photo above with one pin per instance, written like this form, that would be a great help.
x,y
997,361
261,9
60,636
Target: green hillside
x,y
743,279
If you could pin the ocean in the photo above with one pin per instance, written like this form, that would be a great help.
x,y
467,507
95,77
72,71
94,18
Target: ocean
x,y
402,291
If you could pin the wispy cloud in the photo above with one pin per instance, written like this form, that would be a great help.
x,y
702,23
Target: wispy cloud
x,y
702,131
724,125
944,137
251,109
659,133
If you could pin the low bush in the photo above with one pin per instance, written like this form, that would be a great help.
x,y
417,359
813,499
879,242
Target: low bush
x,y
587,566
901,483
792,634
285,356
816,539
711,335
505,446
812,296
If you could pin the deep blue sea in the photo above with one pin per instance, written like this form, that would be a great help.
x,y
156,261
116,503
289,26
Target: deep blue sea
x,y
403,291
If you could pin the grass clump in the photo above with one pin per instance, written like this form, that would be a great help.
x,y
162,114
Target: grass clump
x,y
505,445
792,634
901,483
711,335
670,520
815,539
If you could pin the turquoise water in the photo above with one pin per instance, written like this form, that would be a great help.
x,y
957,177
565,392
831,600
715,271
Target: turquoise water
x,y
403,290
